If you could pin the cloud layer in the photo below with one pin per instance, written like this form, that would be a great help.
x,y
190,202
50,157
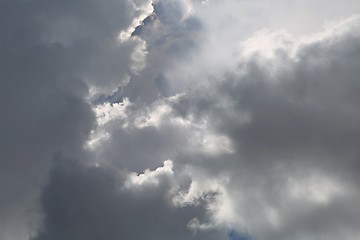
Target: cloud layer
x,y
179,120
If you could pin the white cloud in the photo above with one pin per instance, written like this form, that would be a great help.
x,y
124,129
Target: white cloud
x,y
150,177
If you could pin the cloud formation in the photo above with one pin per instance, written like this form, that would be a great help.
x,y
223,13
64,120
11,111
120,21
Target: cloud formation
x,y
178,119
95,203
51,53
283,129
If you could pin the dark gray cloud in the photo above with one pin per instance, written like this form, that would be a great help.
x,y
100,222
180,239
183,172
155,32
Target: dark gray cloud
x,y
262,136
293,122
43,111
48,51
52,52
96,203
275,139
308,107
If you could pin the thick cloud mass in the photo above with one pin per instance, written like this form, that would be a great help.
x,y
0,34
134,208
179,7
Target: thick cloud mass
x,y
94,203
169,119
48,50
43,111
275,137
293,122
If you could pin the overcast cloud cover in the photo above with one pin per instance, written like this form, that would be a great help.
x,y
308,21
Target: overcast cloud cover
x,y
179,119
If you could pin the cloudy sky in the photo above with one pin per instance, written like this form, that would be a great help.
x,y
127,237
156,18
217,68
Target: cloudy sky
x,y
179,119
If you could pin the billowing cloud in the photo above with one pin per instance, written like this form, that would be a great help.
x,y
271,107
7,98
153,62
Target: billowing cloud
x,y
51,51
97,203
292,119
133,119
273,140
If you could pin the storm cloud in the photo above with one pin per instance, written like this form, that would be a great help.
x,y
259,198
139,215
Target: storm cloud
x,y
128,119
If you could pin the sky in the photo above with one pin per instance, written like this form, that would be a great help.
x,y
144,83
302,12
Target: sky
x,y
179,119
